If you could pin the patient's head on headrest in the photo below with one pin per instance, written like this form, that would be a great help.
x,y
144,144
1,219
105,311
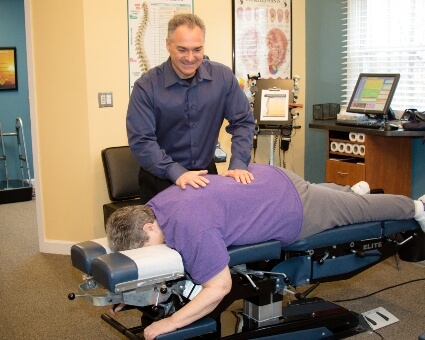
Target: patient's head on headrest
x,y
124,228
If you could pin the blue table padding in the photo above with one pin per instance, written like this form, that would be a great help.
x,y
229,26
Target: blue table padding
x,y
268,250
197,328
338,235
301,270
298,269
393,227
112,269
83,254
343,264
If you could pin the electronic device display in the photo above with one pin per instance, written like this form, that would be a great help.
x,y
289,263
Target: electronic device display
x,y
271,104
373,93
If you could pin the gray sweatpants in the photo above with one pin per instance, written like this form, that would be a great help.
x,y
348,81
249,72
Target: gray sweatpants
x,y
329,205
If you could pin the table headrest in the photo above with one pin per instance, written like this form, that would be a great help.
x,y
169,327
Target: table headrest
x,y
148,265
83,253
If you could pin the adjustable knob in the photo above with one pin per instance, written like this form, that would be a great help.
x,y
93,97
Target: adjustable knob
x,y
322,260
360,253
72,296
363,254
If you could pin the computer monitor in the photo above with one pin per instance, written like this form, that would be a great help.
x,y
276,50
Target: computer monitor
x,y
271,105
373,93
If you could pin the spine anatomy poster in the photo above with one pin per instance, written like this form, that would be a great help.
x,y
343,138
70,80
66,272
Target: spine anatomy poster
x,y
147,31
262,39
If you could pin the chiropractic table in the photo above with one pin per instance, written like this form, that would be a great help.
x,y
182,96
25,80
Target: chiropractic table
x,y
152,279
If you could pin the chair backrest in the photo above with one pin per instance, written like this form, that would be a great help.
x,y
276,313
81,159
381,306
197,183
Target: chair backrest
x,y
121,173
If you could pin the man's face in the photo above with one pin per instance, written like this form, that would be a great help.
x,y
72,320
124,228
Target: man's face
x,y
186,48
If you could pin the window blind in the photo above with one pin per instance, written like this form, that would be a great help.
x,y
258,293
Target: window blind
x,y
386,36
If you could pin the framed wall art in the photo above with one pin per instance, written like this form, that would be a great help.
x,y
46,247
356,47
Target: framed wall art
x,y
261,39
8,69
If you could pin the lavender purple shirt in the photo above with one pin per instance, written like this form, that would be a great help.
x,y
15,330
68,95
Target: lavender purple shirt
x,y
201,223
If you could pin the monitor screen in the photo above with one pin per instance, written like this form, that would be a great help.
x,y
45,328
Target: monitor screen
x,y
373,94
271,105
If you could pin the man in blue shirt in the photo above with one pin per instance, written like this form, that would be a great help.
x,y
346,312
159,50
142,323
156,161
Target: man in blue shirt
x,y
176,111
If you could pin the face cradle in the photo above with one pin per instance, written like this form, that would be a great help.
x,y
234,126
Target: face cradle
x,y
186,48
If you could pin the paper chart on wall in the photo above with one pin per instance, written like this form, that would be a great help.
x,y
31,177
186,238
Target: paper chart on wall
x,y
262,39
147,31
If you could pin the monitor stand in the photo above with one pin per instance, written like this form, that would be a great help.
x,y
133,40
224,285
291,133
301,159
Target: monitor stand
x,y
389,116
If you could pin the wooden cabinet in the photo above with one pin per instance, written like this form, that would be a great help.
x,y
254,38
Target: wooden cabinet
x,y
385,163
344,173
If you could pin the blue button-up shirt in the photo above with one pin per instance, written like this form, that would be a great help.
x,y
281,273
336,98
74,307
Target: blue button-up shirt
x,y
173,126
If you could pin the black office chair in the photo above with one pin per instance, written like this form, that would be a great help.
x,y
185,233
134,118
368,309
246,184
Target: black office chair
x,y
121,174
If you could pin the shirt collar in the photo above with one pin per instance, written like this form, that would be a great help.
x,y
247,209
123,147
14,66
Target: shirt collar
x,y
171,77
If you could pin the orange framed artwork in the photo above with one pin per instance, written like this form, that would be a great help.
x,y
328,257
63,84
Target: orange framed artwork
x,y
8,69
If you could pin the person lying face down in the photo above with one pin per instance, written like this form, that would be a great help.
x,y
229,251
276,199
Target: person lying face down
x,y
278,205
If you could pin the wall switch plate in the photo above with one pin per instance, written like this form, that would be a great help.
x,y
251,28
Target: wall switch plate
x,y
105,99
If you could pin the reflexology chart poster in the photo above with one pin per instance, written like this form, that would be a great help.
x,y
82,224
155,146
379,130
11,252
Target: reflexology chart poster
x,y
147,31
261,39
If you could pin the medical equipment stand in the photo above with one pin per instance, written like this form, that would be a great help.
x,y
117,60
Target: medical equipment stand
x,y
275,130
15,190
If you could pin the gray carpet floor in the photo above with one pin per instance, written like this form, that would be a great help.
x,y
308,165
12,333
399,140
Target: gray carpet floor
x,y
34,289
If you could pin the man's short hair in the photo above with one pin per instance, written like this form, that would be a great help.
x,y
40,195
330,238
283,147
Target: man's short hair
x,y
124,228
188,19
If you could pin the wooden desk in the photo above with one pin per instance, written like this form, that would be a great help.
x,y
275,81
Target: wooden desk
x,y
386,163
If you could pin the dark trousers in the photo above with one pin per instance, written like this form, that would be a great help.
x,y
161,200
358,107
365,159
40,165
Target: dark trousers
x,y
151,185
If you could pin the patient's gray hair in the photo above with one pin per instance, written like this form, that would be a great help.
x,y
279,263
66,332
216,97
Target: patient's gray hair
x,y
190,20
124,228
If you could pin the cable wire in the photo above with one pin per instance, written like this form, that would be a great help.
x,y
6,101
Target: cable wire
x,y
379,291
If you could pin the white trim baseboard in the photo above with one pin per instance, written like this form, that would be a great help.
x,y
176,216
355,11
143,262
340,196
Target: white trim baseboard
x,y
56,247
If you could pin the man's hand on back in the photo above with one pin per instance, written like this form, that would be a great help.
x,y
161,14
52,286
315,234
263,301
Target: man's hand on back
x,y
241,176
195,179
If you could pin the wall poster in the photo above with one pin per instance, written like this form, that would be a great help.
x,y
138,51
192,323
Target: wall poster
x,y
261,39
147,31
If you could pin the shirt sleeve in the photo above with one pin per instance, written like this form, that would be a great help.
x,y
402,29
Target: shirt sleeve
x,y
241,126
141,126
205,255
